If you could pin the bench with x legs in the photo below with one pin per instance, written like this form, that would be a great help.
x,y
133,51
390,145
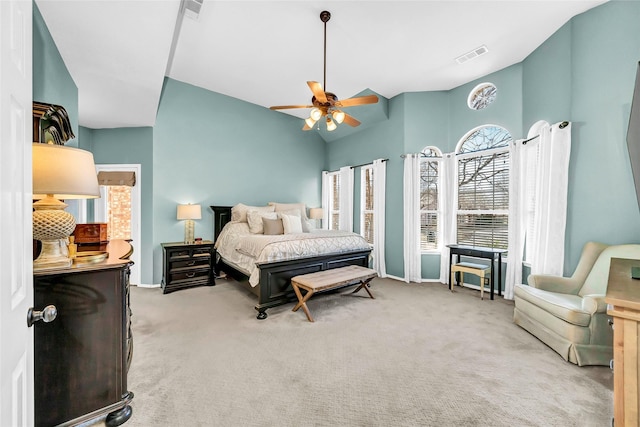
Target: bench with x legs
x,y
328,280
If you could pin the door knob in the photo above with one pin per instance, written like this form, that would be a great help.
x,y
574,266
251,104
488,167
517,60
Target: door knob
x,y
47,315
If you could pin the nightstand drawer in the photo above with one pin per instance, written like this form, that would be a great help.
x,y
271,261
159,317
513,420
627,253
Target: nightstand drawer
x,y
189,274
193,262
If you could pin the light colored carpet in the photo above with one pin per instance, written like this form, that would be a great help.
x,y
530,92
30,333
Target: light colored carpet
x,y
417,355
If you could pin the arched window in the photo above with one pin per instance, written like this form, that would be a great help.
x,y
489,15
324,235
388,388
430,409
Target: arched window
x,y
429,209
483,187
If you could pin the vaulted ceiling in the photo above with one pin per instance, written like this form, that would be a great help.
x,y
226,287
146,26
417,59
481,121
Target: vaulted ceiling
x,y
264,52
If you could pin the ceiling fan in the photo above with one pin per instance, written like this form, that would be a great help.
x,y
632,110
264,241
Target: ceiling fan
x,y
327,104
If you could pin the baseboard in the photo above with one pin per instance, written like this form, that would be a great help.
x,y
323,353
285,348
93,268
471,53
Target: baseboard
x,y
148,286
401,279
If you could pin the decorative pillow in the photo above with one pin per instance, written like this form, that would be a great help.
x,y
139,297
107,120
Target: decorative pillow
x,y
306,223
254,218
291,224
239,211
281,207
272,226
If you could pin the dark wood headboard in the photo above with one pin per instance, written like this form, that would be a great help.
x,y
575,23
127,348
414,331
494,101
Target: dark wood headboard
x,y
221,216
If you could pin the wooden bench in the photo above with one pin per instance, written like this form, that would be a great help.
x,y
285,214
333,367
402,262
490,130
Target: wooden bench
x,y
480,270
328,280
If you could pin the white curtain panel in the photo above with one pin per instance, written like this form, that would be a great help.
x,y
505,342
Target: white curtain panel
x,y
552,179
379,208
326,187
448,181
346,198
411,208
517,216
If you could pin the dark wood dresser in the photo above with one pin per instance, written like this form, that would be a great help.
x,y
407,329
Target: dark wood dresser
x,y
82,356
187,265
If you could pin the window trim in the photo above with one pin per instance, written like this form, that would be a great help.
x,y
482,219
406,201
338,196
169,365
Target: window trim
x,y
363,200
330,209
477,153
431,158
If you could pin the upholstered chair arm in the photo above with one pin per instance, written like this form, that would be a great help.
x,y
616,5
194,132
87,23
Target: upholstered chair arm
x,y
594,303
562,285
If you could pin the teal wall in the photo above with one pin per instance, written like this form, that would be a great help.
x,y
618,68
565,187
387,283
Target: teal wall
x,y
52,83
382,141
212,149
208,148
417,120
585,73
129,146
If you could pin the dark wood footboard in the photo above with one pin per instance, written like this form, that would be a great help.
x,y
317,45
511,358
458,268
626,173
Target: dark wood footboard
x,y
275,277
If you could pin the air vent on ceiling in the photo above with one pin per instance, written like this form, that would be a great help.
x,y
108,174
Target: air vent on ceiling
x,y
473,54
191,8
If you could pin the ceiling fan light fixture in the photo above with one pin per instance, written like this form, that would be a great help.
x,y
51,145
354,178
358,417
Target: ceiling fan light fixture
x,y
338,116
331,126
315,114
310,121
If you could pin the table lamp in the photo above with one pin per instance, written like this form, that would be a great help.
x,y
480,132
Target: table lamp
x,y
316,213
189,213
59,172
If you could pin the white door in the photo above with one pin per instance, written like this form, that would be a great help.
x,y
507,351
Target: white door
x,y
16,250
102,209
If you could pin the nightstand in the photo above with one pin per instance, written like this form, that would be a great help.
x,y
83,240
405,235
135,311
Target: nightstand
x,y
187,265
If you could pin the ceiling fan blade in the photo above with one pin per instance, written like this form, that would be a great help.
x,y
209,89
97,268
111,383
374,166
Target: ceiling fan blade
x,y
360,100
350,120
316,88
285,107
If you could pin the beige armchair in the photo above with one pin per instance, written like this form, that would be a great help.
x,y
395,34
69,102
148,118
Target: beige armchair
x,y
569,313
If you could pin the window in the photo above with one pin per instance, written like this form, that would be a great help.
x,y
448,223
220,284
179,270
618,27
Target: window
x,y
429,213
334,200
366,203
483,187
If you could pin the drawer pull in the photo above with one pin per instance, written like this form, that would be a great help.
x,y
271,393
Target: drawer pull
x,y
190,275
191,262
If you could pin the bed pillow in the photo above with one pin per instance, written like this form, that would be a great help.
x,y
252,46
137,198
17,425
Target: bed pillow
x,y
272,227
307,225
291,224
239,211
254,218
282,207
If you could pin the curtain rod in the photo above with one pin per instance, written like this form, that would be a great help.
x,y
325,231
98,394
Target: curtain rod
x,y
357,166
420,154
561,126
367,164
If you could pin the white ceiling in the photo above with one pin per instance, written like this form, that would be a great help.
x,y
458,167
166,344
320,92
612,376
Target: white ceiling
x,y
263,52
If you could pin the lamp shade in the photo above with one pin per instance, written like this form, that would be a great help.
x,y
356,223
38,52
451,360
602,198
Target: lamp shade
x,y
64,172
316,213
189,212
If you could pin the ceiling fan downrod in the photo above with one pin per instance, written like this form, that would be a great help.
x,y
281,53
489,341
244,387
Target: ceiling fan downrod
x,y
324,17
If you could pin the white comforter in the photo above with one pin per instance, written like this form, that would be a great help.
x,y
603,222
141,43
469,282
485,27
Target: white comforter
x,y
244,250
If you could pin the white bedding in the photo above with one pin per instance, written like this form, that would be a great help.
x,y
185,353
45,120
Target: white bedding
x,y
243,249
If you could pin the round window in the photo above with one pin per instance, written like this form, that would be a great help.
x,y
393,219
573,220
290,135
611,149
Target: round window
x,y
481,96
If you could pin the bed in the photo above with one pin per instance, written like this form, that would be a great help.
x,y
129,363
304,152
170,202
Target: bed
x,y
269,266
